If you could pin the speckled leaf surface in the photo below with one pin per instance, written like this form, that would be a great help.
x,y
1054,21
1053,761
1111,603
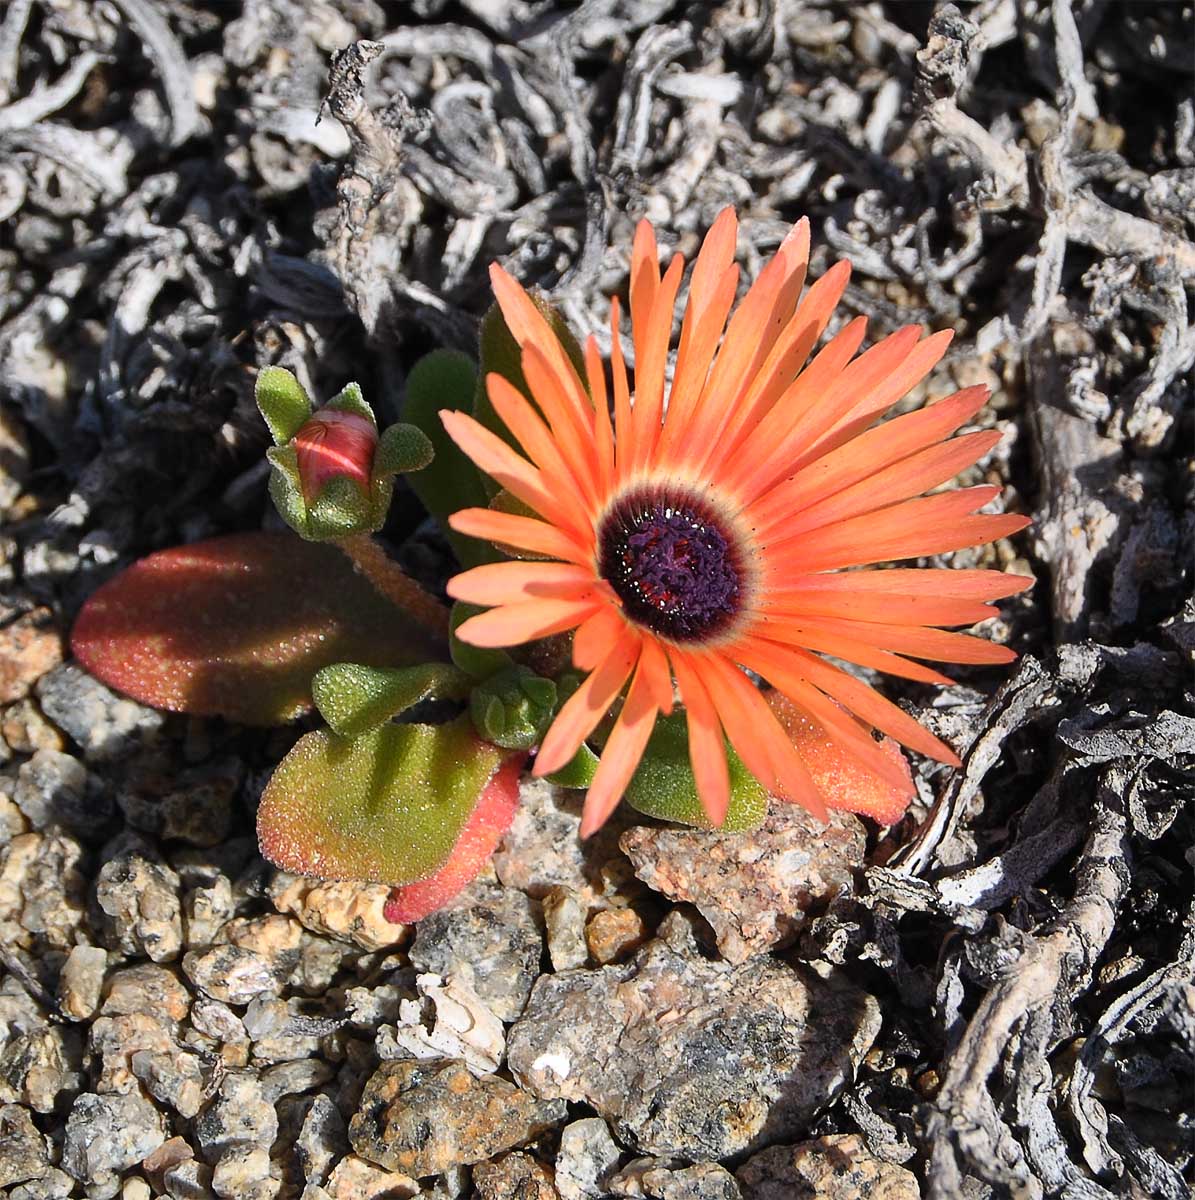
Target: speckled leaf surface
x,y
386,807
479,839
236,626
663,784
841,778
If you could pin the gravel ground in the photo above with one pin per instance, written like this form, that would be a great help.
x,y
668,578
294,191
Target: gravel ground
x,y
994,998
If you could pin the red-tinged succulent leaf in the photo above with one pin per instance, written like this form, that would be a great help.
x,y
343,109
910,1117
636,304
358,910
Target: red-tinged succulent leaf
x,y
385,807
843,781
479,839
237,626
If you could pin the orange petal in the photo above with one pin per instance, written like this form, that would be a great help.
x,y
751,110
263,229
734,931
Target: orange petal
x,y
620,755
511,582
645,276
582,711
776,377
520,417
874,450
603,432
653,666
525,533
591,643
624,440
882,397
757,736
707,750
574,437
911,529
840,777
899,481
763,444
514,624
783,671
530,327
867,704
493,456
651,359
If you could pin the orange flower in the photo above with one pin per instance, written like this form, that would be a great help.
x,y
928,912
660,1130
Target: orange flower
x,y
717,532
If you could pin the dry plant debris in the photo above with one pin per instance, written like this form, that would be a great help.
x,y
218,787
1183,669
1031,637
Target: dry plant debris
x,y
190,192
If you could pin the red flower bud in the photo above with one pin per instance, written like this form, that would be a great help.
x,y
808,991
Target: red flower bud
x,y
334,443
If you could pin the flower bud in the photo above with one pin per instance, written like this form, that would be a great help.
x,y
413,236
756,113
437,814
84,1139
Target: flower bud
x,y
333,475
335,445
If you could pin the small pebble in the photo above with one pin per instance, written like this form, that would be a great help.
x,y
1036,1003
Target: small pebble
x,y
239,1115
26,730
230,973
355,1179
587,1157
491,941
243,1173
140,898
146,988
26,1151
422,1118
514,1176
107,1134
323,1138
41,1068
614,934
349,911
81,982
836,1167
564,923
103,724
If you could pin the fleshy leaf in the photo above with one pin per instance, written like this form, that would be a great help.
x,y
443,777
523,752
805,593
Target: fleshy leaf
x,y
354,698
386,807
236,626
578,772
663,784
402,448
282,402
479,839
446,379
843,781
478,661
512,708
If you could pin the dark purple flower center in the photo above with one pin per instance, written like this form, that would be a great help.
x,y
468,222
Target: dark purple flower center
x,y
672,563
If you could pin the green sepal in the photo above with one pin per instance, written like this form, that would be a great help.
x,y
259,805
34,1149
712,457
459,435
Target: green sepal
x,y
663,784
285,490
354,699
282,402
578,772
447,379
402,448
386,807
512,708
350,399
478,661
341,509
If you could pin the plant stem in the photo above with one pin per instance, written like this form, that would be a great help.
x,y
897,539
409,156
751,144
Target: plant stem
x,y
389,579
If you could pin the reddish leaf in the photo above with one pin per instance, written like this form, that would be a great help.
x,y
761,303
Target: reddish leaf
x,y
478,841
387,806
236,626
843,781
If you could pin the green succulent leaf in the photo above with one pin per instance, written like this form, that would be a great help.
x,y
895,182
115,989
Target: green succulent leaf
x,y
505,709
578,772
387,806
402,448
446,379
283,403
354,698
663,784
476,661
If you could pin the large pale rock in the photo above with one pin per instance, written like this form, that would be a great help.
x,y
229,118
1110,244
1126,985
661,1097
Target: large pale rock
x,y
689,1057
